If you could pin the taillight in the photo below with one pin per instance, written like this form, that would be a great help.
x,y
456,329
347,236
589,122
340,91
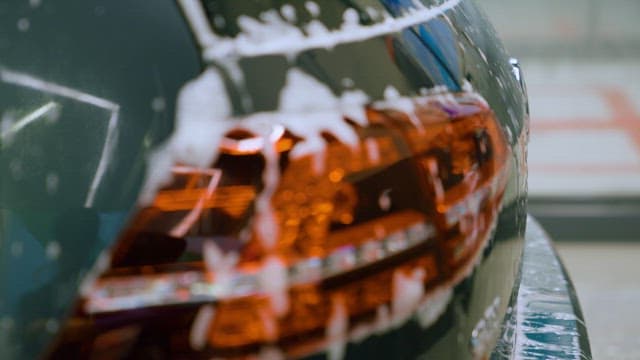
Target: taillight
x,y
331,253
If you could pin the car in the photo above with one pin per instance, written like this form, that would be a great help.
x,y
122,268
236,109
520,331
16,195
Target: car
x,y
269,180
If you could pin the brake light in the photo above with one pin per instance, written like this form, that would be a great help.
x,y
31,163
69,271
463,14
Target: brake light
x,y
356,246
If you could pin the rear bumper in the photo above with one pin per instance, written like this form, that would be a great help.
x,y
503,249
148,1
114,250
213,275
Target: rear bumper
x,y
544,318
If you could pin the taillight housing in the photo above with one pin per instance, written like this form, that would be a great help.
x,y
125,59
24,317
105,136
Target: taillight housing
x,y
267,248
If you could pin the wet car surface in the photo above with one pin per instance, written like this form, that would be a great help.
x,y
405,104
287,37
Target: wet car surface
x,y
262,179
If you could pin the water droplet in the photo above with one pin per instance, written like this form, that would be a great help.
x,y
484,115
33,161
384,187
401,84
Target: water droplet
x,y
6,323
35,3
384,201
53,250
54,114
99,10
289,12
52,180
219,21
6,123
350,17
24,24
52,325
312,8
347,82
158,104
17,248
16,169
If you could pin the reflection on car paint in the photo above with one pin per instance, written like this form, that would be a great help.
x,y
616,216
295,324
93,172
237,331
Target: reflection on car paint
x,y
25,80
545,320
337,258
290,39
340,259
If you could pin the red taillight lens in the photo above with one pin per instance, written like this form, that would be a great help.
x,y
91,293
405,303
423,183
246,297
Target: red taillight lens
x,y
354,246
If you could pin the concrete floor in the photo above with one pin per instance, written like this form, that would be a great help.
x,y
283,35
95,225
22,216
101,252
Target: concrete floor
x,y
606,277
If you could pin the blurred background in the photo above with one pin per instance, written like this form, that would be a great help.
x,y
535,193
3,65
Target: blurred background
x,y
581,61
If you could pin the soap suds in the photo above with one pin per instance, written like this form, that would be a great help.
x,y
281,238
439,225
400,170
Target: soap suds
x,y
199,23
265,222
200,327
219,264
336,330
393,100
202,108
245,45
261,33
408,291
288,12
350,19
316,112
273,278
373,150
383,319
313,8
434,305
352,106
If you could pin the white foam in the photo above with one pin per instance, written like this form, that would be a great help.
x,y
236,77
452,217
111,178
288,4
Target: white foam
x,y
261,33
408,291
271,353
220,264
434,305
202,107
393,100
373,150
352,105
265,224
336,330
200,327
351,31
273,278
313,8
315,28
198,20
288,12
383,319
308,108
350,19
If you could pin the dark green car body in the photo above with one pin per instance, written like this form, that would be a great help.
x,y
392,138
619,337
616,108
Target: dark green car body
x,y
108,73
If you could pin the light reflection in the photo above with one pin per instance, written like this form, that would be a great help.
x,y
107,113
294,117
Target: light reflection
x,y
39,113
28,81
183,227
355,231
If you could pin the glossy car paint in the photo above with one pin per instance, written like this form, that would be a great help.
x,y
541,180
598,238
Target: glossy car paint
x,y
130,59
545,320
